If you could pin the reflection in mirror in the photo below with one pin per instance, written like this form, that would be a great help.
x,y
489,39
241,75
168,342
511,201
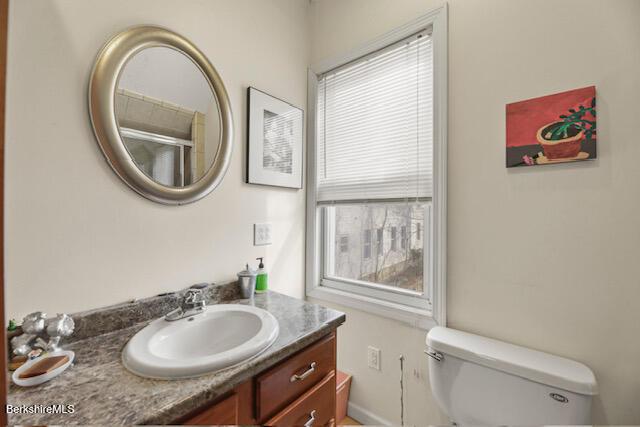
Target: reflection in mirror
x,y
168,117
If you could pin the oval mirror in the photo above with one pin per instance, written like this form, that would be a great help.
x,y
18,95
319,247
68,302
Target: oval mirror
x,y
161,115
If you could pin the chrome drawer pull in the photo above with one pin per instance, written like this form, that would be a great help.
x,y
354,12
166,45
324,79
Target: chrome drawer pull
x,y
311,420
311,370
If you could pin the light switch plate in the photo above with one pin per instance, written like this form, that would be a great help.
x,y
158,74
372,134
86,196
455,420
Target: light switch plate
x,y
261,234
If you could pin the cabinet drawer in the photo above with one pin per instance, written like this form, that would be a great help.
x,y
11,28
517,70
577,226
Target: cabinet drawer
x,y
224,412
317,407
285,382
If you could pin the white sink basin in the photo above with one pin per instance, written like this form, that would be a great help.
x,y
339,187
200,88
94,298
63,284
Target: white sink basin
x,y
222,336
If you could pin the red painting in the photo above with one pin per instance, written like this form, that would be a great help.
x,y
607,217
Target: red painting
x,y
551,129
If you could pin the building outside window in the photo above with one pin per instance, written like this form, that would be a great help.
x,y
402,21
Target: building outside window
x,y
366,253
344,244
394,238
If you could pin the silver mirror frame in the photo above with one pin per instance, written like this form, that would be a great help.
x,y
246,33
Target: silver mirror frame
x,y
102,89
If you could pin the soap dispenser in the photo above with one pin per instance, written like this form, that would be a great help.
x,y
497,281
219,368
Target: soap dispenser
x,y
262,278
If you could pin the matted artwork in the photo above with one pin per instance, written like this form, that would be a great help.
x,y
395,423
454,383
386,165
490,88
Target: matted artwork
x,y
552,129
274,154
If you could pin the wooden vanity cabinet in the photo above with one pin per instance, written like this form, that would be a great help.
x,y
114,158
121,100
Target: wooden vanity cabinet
x,y
299,391
316,407
236,408
224,412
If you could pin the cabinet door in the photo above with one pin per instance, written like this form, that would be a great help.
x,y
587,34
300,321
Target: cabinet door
x,y
317,407
224,412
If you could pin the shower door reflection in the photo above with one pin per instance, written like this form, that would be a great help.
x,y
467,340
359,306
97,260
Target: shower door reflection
x,y
164,158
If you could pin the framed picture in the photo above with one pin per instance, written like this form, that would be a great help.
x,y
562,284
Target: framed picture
x,y
552,129
274,152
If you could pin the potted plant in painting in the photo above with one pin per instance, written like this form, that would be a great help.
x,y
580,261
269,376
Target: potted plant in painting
x,y
562,139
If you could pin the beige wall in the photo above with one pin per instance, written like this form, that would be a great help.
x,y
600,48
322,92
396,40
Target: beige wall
x,y
544,257
77,237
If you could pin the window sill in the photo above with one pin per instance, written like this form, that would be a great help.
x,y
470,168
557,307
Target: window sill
x,y
415,317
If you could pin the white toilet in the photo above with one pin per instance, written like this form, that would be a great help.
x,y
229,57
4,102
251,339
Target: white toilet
x,y
481,381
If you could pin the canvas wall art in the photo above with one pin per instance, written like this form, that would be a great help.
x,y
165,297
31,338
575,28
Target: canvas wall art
x,y
552,129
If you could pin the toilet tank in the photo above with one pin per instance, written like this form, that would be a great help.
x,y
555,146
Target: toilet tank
x,y
482,381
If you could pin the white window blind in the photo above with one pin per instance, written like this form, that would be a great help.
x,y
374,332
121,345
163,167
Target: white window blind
x,y
375,125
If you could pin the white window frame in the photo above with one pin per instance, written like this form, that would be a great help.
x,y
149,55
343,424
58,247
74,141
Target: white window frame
x,y
434,310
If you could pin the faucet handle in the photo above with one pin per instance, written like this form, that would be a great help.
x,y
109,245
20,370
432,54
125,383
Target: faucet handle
x,y
195,297
194,301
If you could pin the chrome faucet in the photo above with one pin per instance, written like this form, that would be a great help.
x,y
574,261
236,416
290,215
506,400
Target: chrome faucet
x,y
36,327
193,302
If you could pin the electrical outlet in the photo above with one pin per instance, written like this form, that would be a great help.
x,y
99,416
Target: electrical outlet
x,y
261,234
373,358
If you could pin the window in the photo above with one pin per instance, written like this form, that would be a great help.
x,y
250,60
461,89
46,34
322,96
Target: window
x,y
366,249
374,145
403,237
377,164
380,241
344,244
379,265
394,240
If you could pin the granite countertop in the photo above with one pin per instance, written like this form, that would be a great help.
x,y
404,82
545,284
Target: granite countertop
x,y
104,392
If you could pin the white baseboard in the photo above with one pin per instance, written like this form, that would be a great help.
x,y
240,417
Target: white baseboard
x,y
364,416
